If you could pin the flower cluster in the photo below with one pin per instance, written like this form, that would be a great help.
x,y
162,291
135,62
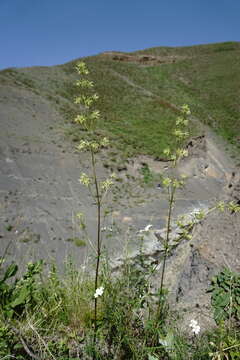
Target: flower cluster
x,y
87,101
181,153
99,292
80,119
106,184
85,179
89,116
104,142
181,121
231,206
185,109
175,183
84,83
181,134
82,68
195,327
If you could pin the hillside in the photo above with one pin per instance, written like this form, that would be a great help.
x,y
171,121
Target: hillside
x,y
141,92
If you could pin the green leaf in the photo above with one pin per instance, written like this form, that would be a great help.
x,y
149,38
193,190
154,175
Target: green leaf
x,y
151,357
219,314
11,271
223,300
21,298
8,313
18,346
226,285
237,298
235,355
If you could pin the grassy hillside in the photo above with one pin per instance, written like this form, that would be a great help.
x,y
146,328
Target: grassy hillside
x,y
209,78
141,92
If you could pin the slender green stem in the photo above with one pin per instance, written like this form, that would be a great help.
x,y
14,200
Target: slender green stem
x,y
230,308
98,199
166,248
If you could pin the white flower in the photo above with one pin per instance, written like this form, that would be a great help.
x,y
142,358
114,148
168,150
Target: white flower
x,y
196,330
193,323
146,229
99,292
107,228
195,327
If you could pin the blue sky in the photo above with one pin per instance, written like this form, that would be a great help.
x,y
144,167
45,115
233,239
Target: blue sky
x,y
49,32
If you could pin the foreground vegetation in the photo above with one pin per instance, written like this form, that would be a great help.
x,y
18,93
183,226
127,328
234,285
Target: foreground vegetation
x,y
45,315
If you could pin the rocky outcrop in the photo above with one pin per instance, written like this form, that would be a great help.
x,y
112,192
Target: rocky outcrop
x,y
144,59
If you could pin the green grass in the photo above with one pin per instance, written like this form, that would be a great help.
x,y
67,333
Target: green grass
x,y
208,79
137,123
137,102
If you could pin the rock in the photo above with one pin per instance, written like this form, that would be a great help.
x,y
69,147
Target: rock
x,y
215,244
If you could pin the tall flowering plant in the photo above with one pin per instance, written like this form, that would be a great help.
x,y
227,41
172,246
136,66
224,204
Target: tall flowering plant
x,y
88,118
172,184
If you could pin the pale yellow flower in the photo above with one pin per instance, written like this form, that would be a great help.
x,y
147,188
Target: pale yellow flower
x,y
105,185
82,68
166,182
83,145
105,142
185,109
84,83
85,179
80,119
